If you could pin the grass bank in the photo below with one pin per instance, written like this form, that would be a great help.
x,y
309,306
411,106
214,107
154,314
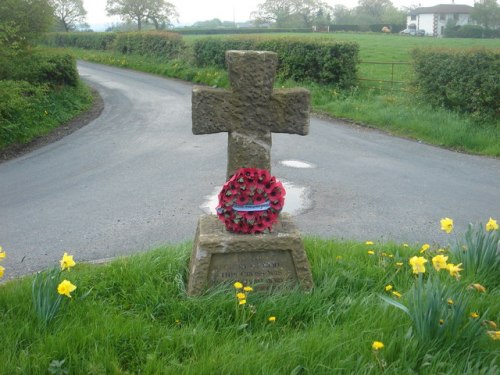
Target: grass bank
x,y
133,316
401,113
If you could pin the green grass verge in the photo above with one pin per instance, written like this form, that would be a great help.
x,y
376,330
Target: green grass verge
x,y
400,113
30,111
137,318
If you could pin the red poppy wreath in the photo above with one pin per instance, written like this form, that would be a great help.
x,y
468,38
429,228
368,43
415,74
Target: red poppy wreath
x,y
250,201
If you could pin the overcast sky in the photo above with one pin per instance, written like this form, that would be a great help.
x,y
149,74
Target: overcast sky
x,y
191,11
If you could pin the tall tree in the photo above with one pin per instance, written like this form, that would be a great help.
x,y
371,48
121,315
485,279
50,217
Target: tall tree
x,y
486,13
159,12
374,9
291,13
69,13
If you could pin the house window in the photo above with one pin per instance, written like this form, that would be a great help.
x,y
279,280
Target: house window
x,y
413,17
442,17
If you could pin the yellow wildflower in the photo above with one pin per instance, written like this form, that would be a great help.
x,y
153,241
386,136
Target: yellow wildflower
x,y
418,264
424,248
2,253
495,335
441,322
405,245
490,323
439,262
441,251
177,321
2,271
377,345
391,256
65,288
384,254
242,301
450,301
272,319
474,315
371,252
388,287
67,262
238,285
241,295
396,294
478,287
369,243
399,264
248,289
454,270
447,225
491,225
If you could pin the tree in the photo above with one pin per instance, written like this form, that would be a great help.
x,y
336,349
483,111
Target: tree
x,y
159,12
291,13
373,10
21,21
486,13
69,13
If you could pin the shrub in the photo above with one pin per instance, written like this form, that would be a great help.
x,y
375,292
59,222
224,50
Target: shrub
x,y
465,81
97,41
151,43
200,31
299,59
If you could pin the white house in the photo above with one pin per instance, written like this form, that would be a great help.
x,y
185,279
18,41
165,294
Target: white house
x,y
433,19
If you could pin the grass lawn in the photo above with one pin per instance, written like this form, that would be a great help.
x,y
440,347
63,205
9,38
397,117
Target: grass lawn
x,y
133,316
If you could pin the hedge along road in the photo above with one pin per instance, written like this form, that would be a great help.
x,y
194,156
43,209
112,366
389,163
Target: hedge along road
x,y
135,178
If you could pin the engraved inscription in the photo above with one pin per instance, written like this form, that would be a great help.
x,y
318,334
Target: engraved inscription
x,y
253,268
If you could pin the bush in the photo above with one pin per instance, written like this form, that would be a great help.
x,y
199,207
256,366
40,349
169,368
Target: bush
x,y
35,67
97,41
465,81
200,31
299,59
151,43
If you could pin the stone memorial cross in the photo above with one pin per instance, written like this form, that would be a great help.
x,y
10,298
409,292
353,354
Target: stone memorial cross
x,y
251,110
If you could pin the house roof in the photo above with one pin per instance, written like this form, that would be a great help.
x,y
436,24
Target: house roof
x,y
443,8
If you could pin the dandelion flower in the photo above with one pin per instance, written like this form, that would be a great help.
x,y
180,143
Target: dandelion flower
x,y
2,271
424,248
454,269
388,287
491,225
248,289
369,243
377,345
439,262
478,287
474,315
396,294
447,225
418,264
271,319
242,301
495,335
67,262
65,288
238,285
371,252
241,295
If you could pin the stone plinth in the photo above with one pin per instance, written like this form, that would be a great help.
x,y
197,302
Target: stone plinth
x,y
260,260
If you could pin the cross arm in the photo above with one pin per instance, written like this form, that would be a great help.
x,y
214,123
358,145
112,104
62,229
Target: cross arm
x,y
290,109
211,110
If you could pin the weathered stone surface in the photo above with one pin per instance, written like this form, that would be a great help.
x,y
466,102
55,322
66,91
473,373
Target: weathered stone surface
x,y
251,110
263,260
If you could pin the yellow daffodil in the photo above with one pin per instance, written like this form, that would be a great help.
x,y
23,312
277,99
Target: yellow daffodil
x,y
67,262
399,264
491,225
474,315
369,243
248,289
478,287
490,323
441,251
450,301
238,285
396,294
272,319
388,287
495,335
447,225
242,301
241,295
371,252
377,345
2,271
439,262
65,288
424,248
454,269
418,264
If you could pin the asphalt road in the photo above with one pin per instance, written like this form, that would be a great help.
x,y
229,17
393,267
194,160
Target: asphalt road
x,y
136,178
